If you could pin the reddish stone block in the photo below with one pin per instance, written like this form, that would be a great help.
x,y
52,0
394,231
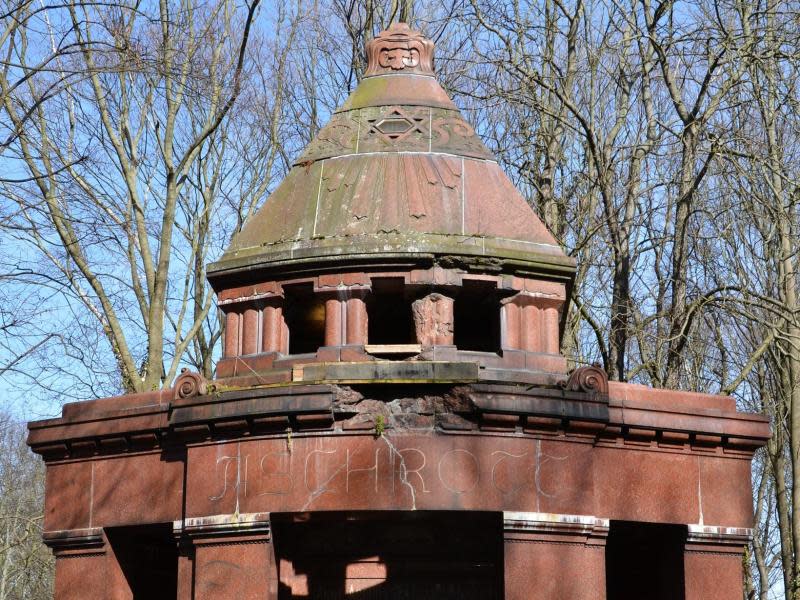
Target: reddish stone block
x,y
555,571
354,354
547,289
640,485
712,576
634,395
247,292
392,471
68,496
725,478
552,363
83,577
548,425
146,488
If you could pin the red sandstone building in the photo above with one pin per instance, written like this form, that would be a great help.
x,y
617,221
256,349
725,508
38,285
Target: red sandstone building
x,y
392,417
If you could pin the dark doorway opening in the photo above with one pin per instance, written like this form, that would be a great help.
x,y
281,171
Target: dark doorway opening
x,y
148,557
645,560
389,555
305,318
476,317
390,320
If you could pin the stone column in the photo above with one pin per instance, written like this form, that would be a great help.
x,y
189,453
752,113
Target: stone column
x,y
561,557
250,330
82,569
550,337
357,321
231,334
530,323
335,315
345,318
712,562
233,557
272,326
510,325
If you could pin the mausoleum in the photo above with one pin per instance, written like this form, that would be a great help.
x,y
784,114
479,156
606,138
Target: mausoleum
x,y
392,416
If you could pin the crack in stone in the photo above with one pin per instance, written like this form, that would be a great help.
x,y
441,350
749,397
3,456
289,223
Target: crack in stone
x,y
403,470
321,489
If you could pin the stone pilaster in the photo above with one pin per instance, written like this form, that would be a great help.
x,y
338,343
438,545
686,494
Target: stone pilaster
x,y
562,555
712,562
82,569
232,557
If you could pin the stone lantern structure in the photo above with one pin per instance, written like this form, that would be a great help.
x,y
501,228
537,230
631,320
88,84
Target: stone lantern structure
x,y
392,417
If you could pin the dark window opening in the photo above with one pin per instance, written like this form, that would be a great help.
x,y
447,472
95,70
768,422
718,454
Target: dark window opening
x,y
147,555
476,318
305,318
390,320
645,560
390,555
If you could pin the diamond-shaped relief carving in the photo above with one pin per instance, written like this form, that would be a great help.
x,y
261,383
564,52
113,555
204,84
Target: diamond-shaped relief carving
x,y
393,126
397,124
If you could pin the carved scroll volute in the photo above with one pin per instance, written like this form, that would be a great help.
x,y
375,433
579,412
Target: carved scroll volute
x,y
399,49
591,379
189,384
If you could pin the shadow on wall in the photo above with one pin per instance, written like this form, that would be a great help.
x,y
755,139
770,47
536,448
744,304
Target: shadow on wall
x,y
419,555
147,560
645,560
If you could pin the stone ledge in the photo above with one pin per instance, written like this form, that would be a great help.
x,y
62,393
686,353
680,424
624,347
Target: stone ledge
x,y
704,539
238,524
75,541
555,528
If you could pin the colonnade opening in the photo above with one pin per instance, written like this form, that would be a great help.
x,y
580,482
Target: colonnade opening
x,y
304,313
645,560
476,317
390,320
389,555
147,555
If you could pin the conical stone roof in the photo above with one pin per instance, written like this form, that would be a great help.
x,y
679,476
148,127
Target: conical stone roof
x,y
396,173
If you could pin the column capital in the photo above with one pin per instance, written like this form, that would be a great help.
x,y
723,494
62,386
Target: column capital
x,y
230,528
76,542
555,528
717,540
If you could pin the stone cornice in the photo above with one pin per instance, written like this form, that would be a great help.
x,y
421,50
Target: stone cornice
x,y
579,408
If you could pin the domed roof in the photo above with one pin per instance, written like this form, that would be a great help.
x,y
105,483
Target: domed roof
x,y
397,172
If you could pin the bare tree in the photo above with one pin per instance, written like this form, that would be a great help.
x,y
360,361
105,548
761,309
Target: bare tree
x,y
148,123
26,565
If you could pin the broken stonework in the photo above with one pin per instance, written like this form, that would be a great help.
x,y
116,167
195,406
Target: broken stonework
x,y
433,320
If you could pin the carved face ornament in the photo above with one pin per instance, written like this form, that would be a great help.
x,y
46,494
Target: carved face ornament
x,y
399,48
399,57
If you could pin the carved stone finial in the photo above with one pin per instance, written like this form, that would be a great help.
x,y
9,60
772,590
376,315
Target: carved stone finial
x,y
189,384
397,49
588,379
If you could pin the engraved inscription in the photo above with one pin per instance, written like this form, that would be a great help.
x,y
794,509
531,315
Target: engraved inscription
x,y
388,471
